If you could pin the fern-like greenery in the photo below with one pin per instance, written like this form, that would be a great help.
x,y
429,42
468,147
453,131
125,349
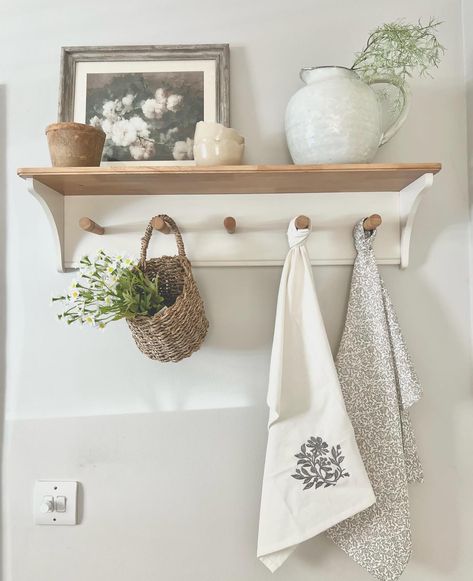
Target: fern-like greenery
x,y
397,49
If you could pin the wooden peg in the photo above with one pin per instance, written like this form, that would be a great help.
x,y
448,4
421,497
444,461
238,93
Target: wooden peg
x,y
372,222
230,224
161,225
90,226
302,222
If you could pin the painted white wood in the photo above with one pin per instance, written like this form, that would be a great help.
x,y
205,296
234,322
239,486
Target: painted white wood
x,y
53,204
409,200
262,220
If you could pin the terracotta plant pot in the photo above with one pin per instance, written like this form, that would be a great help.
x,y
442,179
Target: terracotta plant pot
x,y
75,144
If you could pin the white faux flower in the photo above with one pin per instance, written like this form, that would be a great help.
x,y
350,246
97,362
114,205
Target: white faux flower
x,y
153,109
123,133
183,149
127,102
174,102
142,149
140,126
87,270
73,295
89,320
95,121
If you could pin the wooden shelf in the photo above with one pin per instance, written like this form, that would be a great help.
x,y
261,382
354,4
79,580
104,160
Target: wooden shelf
x,y
243,179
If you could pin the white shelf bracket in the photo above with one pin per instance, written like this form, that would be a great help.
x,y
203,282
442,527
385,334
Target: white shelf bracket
x,y
53,204
409,200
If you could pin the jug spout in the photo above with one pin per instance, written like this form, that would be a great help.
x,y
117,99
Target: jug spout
x,y
313,74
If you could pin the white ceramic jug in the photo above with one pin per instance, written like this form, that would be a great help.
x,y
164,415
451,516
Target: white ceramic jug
x,y
337,117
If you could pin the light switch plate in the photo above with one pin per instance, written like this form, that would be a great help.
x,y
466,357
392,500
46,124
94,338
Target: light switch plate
x,y
47,515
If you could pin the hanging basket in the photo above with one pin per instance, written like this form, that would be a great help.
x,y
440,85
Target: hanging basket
x,y
177,331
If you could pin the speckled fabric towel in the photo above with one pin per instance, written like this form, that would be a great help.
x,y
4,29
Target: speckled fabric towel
x,y
379,385
313,476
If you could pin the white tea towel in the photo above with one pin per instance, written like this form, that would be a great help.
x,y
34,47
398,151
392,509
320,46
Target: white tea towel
x,y
314,476
379,384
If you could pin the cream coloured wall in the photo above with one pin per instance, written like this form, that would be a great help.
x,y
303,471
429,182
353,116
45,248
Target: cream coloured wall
x,y
170,457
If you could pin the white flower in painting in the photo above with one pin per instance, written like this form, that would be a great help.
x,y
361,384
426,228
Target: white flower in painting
x,y
110,109
95,121
123,133
174,102
160,97
127,102
183,149
140,126
153,109
107,126
168,137
142,149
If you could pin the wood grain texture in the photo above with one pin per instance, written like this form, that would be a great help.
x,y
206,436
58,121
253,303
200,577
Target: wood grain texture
x,y
90,226
241,179
229,224
302,222
372,222
160,225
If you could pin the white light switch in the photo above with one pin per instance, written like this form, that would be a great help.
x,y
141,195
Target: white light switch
x,y
55,503
60,504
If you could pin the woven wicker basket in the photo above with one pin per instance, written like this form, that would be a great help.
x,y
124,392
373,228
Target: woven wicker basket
x,y
179,330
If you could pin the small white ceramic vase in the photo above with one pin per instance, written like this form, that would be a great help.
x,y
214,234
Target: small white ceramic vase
x,y
215,144
337,117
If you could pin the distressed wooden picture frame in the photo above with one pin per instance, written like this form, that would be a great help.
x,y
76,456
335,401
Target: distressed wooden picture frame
x,y
202,72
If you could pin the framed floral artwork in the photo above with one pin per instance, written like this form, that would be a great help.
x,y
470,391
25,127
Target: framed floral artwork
x,y
147,99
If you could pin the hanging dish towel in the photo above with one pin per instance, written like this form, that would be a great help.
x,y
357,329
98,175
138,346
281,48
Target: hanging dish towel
x,y
314,476
379,385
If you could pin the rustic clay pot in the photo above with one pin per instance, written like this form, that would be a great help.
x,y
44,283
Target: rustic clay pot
x,y
75,144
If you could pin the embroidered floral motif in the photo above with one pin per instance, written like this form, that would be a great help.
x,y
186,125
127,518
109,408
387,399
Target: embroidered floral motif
x,y
317,467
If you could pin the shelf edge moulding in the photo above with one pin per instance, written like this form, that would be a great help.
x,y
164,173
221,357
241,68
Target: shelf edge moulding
x,y
262,199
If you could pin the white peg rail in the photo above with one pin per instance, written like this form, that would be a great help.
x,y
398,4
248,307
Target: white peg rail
x,y
261,218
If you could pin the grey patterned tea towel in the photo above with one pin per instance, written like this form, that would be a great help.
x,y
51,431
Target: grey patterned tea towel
x,y
379,385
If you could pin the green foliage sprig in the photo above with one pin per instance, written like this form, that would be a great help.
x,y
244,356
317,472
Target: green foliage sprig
x,y
110,288
397,49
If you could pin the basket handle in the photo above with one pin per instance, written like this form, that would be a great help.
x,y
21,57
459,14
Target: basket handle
x,y
149,231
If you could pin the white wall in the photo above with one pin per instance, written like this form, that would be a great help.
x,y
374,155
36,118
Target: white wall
x,y
171,456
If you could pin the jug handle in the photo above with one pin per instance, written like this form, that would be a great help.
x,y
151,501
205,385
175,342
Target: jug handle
x,y
403,112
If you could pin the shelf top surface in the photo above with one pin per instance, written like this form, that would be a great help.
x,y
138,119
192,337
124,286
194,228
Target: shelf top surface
x,y
241,179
